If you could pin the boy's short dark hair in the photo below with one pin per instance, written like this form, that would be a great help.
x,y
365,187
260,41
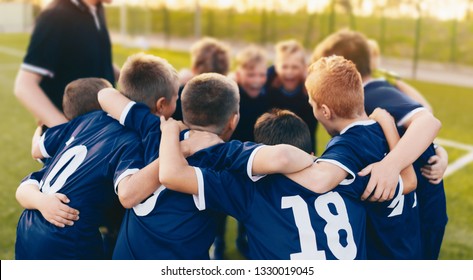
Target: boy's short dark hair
x,y
145,78
80,96
210,99
351,45
283,127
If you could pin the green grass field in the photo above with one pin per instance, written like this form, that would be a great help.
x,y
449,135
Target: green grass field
x,y
451,104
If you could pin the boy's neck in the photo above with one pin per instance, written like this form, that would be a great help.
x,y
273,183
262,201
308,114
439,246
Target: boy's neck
x,y
203,128
366,79
341,124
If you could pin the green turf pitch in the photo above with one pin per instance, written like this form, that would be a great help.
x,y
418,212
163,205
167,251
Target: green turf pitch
x,y
452,106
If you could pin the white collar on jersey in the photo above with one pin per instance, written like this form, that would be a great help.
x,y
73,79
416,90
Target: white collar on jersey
x,y
367,122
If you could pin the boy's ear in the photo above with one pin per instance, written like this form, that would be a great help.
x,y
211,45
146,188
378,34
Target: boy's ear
x,y
161,104
230,127
234,121
326,112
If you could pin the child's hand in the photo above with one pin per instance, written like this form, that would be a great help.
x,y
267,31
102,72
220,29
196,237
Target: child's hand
x,y
170,125
380,115
382,184
197,141
182,126
54,210
435,169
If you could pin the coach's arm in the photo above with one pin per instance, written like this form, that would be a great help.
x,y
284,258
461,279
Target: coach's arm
x,y
30,94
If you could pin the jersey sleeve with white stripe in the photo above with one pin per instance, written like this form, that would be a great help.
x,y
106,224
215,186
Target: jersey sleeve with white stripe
x,y
233,156
225,191
399,105
139,118
45,44
34,178
51,141
341,155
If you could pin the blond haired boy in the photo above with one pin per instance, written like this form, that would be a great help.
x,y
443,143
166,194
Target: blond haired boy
x,y
285,86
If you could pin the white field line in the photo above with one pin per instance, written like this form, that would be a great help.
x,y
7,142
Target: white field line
x,y
460,162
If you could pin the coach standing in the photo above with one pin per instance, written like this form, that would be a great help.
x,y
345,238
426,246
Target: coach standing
x,y
70,41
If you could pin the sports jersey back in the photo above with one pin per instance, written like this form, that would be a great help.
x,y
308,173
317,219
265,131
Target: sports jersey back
x,y
168,225
286,221
431,198
89,155
393,226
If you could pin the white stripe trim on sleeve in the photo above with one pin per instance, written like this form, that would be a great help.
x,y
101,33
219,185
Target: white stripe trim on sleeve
x,y
125,173
125,112
37,70
199,198
337,163
249,166
30,182
409,116
42,148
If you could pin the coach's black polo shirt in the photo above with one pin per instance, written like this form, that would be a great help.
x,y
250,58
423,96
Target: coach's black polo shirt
x,y
68,43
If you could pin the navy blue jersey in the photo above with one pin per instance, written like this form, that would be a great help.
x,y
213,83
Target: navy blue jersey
x,y
89,155
177,115
286,221
168,225
138,118
393,227
431,198
250,110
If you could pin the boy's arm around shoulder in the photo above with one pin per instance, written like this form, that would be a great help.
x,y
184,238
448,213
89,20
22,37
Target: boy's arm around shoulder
x,y
413,93
422,128
113,102
175,172
53,207
320,177
388,126
280,158
135,188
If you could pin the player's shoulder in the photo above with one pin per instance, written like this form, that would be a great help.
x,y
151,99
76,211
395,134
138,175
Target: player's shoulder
x,y
282,185
101,121
363,135
54,13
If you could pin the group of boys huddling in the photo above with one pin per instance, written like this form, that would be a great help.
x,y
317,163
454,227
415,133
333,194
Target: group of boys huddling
x,y
176,179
